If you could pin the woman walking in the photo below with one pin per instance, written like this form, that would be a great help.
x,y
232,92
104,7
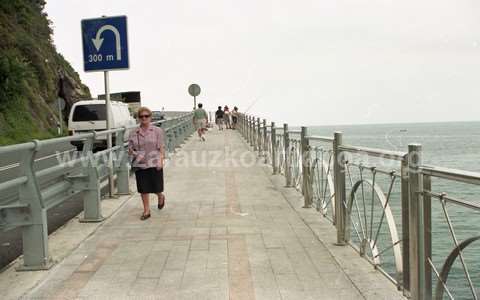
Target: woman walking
x,y
146,145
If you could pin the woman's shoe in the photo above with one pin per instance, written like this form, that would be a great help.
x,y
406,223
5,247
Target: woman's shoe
x,y
162,204
144,217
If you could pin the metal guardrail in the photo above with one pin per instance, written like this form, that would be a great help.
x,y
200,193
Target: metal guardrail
x,y
383,213
40,190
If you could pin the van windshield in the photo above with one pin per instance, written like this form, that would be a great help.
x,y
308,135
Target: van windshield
x,y
90,112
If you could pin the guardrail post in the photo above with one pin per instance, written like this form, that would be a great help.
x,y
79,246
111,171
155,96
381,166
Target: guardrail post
x,y
417,247
35,235
175,137
92,209
123,167
187,129
286,144
184,131
339,186
306,169
180,133
273,137
169,145
264,144
91,185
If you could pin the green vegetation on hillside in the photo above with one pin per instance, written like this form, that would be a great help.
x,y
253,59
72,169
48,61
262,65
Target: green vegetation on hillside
x,y
32,74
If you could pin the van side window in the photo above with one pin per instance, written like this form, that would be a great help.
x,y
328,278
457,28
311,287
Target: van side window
x,y
90,112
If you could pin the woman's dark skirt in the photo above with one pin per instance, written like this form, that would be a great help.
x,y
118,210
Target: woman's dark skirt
x,y
149,180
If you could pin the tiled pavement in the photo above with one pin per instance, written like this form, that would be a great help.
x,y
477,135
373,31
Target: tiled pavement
x,y
227,232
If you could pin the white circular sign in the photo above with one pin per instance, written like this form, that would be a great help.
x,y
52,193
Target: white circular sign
x,y
194,90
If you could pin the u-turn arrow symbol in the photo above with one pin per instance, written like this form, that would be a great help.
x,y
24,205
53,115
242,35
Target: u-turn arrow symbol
x,y
98,41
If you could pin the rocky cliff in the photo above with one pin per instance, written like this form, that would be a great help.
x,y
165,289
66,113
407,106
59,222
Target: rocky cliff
x,y
32,74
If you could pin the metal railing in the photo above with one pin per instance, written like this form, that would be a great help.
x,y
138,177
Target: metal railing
x,y
380,202
36,191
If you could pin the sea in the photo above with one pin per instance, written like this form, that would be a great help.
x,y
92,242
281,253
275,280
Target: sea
x,y
450,144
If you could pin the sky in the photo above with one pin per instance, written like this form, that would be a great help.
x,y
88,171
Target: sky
x,y
304,62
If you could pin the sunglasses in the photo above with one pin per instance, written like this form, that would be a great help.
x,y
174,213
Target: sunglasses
x,y
144,116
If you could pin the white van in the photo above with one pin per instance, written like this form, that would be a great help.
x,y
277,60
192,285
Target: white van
x,y
89,115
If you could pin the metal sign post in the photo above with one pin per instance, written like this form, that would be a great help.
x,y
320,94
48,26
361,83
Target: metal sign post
x,y
105,48
194,91
108,111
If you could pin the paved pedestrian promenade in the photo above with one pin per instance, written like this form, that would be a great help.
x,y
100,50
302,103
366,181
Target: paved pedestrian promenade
x,y
229,230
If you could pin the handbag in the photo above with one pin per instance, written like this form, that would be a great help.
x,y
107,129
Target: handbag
x,y
134,168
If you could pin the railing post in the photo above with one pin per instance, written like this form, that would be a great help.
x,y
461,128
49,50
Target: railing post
x,y
255,134
339,186
427,232
242,124
123,169
264,144
405,228
245,127
249,125
258,137
35,235
273,137
252,132
418,280
306,169
286,144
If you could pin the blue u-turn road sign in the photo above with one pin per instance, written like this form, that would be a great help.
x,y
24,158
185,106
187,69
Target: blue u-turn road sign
x,y
105,44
